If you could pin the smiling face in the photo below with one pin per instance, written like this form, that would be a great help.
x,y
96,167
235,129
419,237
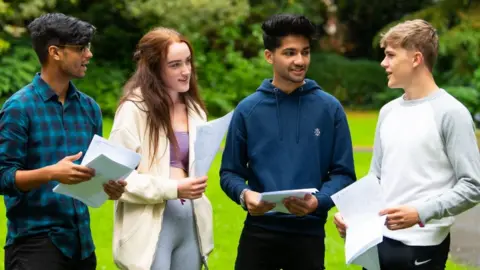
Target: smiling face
x,y
290,60
177,69
400,63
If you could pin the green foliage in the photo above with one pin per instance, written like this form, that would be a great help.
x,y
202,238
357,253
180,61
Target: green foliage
x,y
227,40
4,45
18,68
13,15
468,96
363,19
353,82
385,96
201,15
104,83
224,81
460,48
457,23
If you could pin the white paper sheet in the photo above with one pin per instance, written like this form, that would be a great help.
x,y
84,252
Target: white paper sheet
x,y
207,143
360,204
110,162
278,196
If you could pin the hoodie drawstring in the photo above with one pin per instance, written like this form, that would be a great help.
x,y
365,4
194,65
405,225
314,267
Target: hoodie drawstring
x,y
280,133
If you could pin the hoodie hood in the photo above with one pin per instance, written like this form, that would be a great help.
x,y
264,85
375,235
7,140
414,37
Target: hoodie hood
x,y
268,88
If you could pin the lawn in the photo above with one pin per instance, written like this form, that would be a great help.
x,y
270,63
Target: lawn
x,y
229,217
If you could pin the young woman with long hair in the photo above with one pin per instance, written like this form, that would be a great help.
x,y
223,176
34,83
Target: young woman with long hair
x,y
163,220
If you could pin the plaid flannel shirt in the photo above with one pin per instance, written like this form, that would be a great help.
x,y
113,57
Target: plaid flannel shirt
x,y
36,130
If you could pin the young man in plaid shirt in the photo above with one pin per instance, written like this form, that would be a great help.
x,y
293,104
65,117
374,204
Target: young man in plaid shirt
x,y
45,128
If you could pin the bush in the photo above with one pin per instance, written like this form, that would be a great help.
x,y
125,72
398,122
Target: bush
x,y
104,83
354,82
225,81
17,70
387,95
468,96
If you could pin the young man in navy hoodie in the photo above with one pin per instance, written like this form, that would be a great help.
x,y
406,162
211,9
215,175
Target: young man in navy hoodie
x,y
289,134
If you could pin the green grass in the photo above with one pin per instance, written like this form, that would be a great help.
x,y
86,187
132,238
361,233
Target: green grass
x,y
228,217
362,127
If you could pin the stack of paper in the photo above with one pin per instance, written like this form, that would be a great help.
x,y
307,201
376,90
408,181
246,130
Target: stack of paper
x,y
360,205
110,162
207,143
277,197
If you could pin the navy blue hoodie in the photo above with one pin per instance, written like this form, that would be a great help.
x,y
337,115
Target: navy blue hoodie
x,y
278,141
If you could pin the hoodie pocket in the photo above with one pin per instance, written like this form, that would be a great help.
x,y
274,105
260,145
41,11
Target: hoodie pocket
x,y
132,222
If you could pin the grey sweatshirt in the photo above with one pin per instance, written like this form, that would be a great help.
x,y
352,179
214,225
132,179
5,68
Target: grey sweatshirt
x,y
426,156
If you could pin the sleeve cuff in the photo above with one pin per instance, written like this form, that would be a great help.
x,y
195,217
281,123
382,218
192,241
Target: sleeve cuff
x,y
11,187
426,211
325,203
238,191
171,189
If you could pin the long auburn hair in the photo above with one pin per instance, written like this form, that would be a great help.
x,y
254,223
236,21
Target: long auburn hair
x,y
150,54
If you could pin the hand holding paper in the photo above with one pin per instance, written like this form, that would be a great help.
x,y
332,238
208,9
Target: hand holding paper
x,y
110,162
360,205
114,189
401,217
301,206
278,197
340,224
192,188
69,173
255,205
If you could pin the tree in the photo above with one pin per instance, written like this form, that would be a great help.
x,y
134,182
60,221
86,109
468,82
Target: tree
x,y
364,19
458,25
13,15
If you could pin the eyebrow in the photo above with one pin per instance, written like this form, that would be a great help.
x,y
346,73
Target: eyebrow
x,y
178,61
294,49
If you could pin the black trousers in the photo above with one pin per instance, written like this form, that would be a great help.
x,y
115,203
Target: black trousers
x,y
39,253
261,249
395,255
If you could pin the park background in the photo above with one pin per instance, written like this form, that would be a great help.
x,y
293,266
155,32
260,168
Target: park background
x,y
227,40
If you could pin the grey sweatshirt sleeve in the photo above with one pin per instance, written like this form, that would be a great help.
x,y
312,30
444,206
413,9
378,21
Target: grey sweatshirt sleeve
x,y
376,163
458,134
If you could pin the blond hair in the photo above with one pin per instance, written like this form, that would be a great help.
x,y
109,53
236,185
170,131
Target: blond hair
x,y
414,35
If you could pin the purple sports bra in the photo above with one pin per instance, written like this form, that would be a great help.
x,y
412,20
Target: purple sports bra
x,y
181,160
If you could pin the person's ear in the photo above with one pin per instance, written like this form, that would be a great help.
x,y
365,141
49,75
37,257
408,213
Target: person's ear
x,y
268,56
417,59
54,52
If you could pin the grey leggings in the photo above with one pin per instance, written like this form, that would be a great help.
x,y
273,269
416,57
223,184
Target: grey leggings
x,y
177,247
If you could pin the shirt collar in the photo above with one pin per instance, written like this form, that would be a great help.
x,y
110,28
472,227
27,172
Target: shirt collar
x,y
47,93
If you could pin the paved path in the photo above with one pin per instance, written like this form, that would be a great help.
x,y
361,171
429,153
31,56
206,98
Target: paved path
x,y
465,245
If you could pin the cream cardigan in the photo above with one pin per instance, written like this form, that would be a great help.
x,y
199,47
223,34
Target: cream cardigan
x,y
139,212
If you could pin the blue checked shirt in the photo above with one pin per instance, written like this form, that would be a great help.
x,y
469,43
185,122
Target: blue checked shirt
x,y
36,130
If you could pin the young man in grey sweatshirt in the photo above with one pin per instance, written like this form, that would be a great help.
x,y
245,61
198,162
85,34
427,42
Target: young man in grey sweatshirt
x,y
425,155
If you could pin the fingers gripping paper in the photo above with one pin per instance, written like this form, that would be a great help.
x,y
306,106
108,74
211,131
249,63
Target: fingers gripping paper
x,y
110,162
277,197
360,205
